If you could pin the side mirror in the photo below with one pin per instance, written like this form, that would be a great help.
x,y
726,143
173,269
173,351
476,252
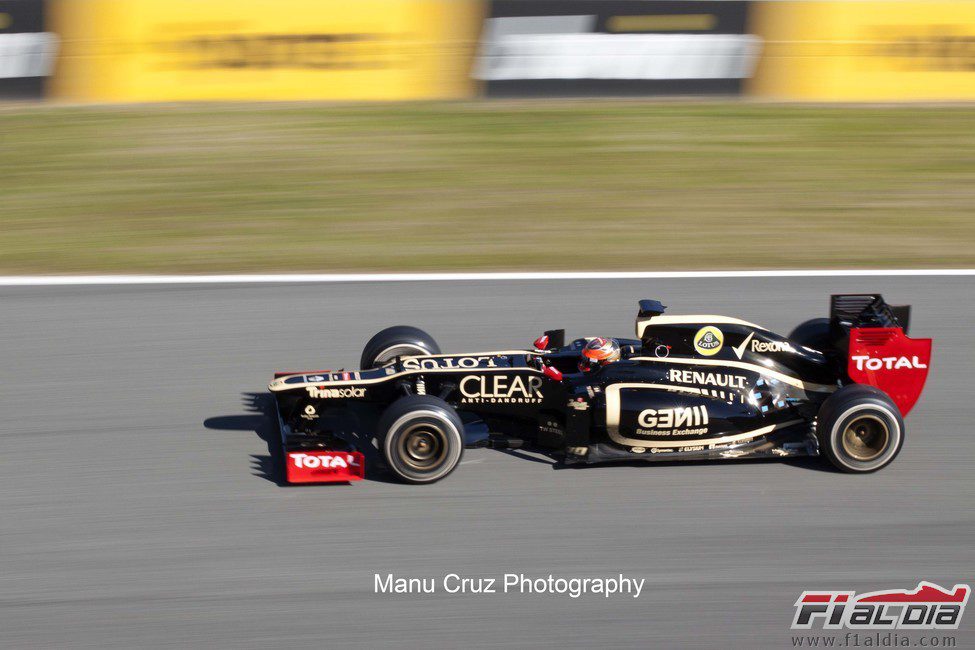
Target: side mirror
x,y
552,373
553,339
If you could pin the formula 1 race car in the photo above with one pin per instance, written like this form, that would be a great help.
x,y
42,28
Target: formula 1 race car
x,y
687,388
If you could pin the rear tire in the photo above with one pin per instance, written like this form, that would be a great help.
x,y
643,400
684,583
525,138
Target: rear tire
x,y
394,342
860,429
813,334
421,438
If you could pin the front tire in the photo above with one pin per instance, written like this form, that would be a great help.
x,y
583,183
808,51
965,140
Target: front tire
x,y
860,429
394,342
422,438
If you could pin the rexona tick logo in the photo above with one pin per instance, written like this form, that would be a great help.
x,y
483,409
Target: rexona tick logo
x,y
708,341
927,607
761,346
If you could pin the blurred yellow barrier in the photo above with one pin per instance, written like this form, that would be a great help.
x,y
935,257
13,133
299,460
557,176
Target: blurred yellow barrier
x,y
173,50
865,51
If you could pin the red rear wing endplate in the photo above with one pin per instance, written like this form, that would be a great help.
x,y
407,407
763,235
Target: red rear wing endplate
x,y
886,358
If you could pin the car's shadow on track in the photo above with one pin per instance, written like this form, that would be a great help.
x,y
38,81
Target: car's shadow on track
x,y
532,455
261,418
553,461
802,462
816,464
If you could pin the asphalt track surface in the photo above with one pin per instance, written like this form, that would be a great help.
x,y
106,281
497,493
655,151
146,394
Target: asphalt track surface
x,y
140,505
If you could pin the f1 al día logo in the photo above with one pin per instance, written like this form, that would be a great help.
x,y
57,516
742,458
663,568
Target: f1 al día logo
x,y
927,607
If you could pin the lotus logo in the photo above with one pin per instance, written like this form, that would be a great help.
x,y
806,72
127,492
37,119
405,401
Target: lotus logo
x,y
708,341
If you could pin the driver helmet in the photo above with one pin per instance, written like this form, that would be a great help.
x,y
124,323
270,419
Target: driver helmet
x,y
599,352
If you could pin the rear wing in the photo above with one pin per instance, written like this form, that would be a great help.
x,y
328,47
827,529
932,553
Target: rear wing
x,y
849,310
873,336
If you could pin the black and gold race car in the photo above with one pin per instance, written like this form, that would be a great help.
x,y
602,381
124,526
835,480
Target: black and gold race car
x,y
686,388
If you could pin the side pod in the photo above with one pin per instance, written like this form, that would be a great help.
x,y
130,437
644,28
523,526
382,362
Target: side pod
x,y
884,357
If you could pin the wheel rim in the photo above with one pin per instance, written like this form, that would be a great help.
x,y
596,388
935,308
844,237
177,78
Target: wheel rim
x,y
866,437
423,447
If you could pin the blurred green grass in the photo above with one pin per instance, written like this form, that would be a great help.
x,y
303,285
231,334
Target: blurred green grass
x,y
493,185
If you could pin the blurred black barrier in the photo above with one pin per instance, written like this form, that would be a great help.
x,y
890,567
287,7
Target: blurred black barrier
x,y
26,51
615,47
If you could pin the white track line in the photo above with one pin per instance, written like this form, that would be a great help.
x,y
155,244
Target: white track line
x,y
69,280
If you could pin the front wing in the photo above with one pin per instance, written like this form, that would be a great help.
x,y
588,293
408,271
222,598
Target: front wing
x,y
318,465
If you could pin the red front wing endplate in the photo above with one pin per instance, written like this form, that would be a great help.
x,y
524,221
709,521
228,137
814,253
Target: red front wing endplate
x,y
316,466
